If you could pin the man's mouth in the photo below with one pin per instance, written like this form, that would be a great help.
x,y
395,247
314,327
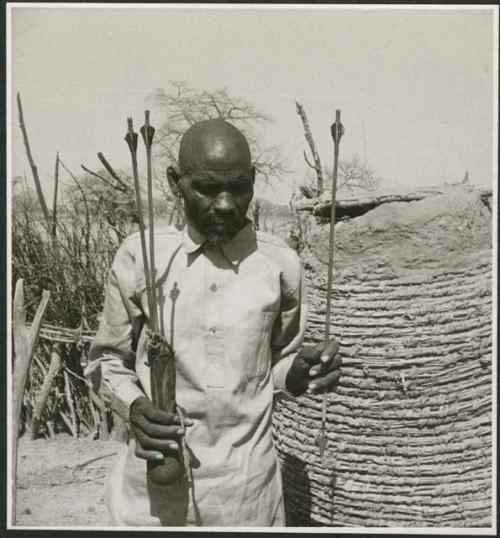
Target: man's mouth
x,y
219,230
221,224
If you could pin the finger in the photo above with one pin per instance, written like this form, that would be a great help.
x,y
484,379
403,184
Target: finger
x,y
153,455
149,455
159,445
154,414
158,431
315,370
324,367
330,351
327,381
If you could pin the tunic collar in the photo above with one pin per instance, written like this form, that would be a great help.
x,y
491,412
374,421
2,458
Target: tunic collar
x,y
244,242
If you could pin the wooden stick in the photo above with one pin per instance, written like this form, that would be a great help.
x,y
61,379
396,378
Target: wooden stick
x,y
162,365
103,427
36,324
55,366
131,139
357,206
71,405
102,178
147,132
310,140
24,346
111,172
34,169
54,201
95,415
336,128
336,134
66,420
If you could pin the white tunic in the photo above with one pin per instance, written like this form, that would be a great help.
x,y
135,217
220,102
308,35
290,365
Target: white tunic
x,y
236,319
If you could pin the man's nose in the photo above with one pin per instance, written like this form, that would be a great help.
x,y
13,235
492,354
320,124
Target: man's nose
x,y
224,203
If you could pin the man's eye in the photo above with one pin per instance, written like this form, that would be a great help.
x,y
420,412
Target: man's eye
x,y
207,190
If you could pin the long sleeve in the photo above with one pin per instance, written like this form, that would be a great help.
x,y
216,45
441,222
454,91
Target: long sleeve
x,y
229,313
112,354
289,327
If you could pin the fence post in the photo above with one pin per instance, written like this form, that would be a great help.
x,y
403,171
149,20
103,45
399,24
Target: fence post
x,y
103,426
25,341
69,398
55,366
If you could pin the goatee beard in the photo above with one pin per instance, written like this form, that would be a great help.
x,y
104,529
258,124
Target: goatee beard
x,y
216,240
219,232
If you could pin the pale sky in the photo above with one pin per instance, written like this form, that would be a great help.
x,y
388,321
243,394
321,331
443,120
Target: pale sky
x,y
421,81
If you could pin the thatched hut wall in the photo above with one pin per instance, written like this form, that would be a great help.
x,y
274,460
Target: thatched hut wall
x,y
409,426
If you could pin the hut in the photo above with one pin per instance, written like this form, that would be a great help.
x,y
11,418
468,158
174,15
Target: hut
x,y
409,426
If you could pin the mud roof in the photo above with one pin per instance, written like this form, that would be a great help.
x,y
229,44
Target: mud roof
x,y
358,205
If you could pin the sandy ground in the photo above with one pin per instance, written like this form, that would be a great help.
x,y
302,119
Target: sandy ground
x,y
61,481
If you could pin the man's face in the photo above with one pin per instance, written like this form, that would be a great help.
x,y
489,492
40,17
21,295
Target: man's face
x,y
216,200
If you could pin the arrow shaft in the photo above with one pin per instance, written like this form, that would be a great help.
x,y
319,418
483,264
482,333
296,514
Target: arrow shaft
x,y
331,242
336,134
154,307
140,214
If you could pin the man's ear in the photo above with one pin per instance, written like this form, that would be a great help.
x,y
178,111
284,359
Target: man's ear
x,y
173,180
253,175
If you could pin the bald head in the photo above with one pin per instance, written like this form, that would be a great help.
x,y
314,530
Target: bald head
x,y
213,145
215,178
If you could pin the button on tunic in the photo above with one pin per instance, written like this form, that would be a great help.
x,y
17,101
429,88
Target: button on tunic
x,y
236,318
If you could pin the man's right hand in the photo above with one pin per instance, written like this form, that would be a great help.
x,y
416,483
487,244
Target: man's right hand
x,y
157,432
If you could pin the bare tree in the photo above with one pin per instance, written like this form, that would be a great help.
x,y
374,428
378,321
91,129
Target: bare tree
x,y
182,106
353,174
113,201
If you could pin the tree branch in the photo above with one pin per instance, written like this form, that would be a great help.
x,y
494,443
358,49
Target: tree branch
x,y
102,178
54,202
308,162
112,172
34,169
309,138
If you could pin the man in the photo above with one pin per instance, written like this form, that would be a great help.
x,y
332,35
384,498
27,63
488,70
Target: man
x,y
233,307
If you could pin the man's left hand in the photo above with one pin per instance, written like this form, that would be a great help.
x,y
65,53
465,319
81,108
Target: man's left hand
x,y
315,368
